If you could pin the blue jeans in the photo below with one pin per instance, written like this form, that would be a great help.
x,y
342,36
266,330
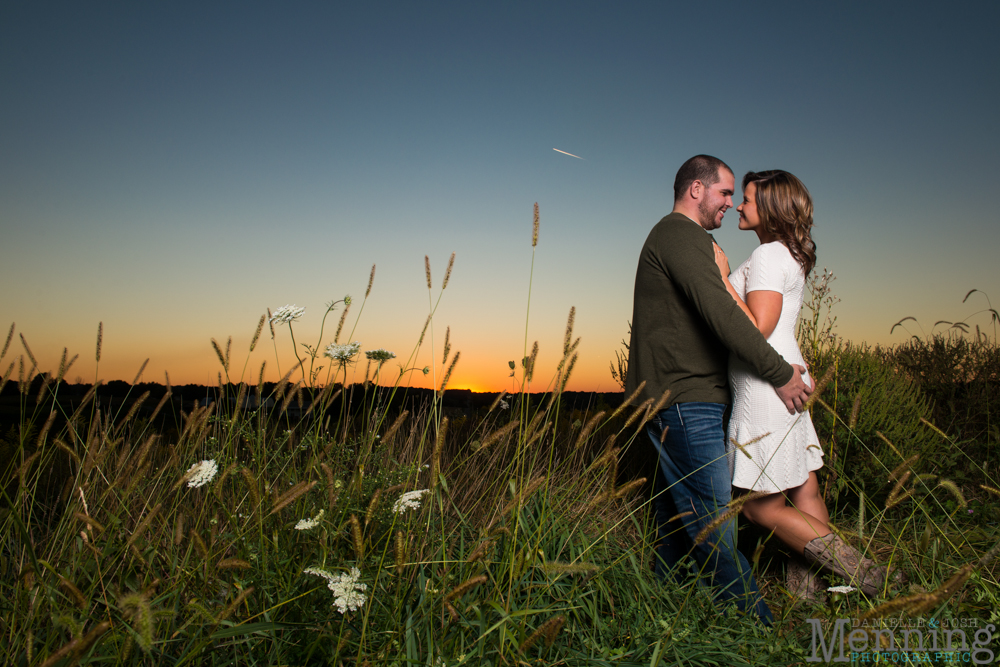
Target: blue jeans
x,y
693,479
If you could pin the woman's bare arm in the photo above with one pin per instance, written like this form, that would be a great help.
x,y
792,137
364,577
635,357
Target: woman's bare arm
x,y
723,263
763,307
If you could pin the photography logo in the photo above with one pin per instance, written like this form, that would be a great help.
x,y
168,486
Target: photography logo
x,y
913,641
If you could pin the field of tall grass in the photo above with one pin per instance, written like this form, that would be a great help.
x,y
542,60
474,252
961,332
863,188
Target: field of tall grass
x,y
309,522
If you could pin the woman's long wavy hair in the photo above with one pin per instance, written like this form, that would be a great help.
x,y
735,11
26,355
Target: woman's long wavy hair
x,y
785,208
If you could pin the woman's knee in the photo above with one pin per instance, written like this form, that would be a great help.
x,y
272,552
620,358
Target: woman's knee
x,y
757,512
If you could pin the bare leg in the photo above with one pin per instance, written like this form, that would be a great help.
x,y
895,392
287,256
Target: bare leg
x,y
809,499
792,525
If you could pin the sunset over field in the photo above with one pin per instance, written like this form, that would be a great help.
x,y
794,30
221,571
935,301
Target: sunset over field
x,y
175,170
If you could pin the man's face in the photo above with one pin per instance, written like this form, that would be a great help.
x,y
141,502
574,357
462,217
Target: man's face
x,y
716,199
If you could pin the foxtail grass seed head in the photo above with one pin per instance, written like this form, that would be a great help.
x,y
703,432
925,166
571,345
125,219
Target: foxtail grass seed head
x,y
28,350
820,386
6,345
498,434
587,428
953,489
348,591
240,599
309,524
62,365
534,228
891,446
934,428
528,363
343,318
568,337
569,371
465,587
371,279
372,506
6,376
343,353
356,535
732,509
100,340
136,606
990,490
409,501
291,495
46,381
436,456
400,549
547,631
45,429
945,591
135,406
853,421
451,367
497,401
902,467
427,271
447,345
641,410
628,401
395,425
897,496
655,410
256,334
423,332
287,314
447,272
201,473
233,564
141,370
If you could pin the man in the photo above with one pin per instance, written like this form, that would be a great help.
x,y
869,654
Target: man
x,y
684,326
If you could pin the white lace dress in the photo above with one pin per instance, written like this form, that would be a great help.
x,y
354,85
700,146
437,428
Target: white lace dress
x,y
778,449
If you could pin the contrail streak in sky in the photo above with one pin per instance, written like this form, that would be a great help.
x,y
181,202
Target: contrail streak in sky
x,y
569,154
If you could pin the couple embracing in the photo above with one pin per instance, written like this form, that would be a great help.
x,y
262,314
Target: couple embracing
x,y
714,338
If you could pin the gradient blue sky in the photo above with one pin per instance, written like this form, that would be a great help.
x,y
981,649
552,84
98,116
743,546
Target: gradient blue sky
x,y
174,169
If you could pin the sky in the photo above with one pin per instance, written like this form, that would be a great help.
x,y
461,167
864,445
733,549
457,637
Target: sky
x,y
173,170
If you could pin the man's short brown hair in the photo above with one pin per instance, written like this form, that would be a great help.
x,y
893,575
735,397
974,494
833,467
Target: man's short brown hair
x,y
704,168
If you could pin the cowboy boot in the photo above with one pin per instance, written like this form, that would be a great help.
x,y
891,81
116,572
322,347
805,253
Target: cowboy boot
x,y
836,555
803,582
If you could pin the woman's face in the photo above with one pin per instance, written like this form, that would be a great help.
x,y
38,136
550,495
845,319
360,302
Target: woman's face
x,y
748,209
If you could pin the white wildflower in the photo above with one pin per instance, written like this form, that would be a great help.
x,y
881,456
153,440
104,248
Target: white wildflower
x,y
286,314
380,355
841,589
343,353
408,501
504,404
202,473
309,524
348,593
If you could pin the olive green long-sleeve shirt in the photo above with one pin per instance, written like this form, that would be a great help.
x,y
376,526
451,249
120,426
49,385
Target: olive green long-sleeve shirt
x,y
685,323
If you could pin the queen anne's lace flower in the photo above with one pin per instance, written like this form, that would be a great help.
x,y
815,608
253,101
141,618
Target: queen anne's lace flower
x,y
380,355
841,589
309,524
343,353
287,314
202,473
348,593
408,501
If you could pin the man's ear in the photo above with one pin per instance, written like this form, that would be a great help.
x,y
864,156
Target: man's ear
x,y
696,190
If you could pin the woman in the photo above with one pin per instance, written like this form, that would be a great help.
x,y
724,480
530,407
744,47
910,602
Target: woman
x,y
778,454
